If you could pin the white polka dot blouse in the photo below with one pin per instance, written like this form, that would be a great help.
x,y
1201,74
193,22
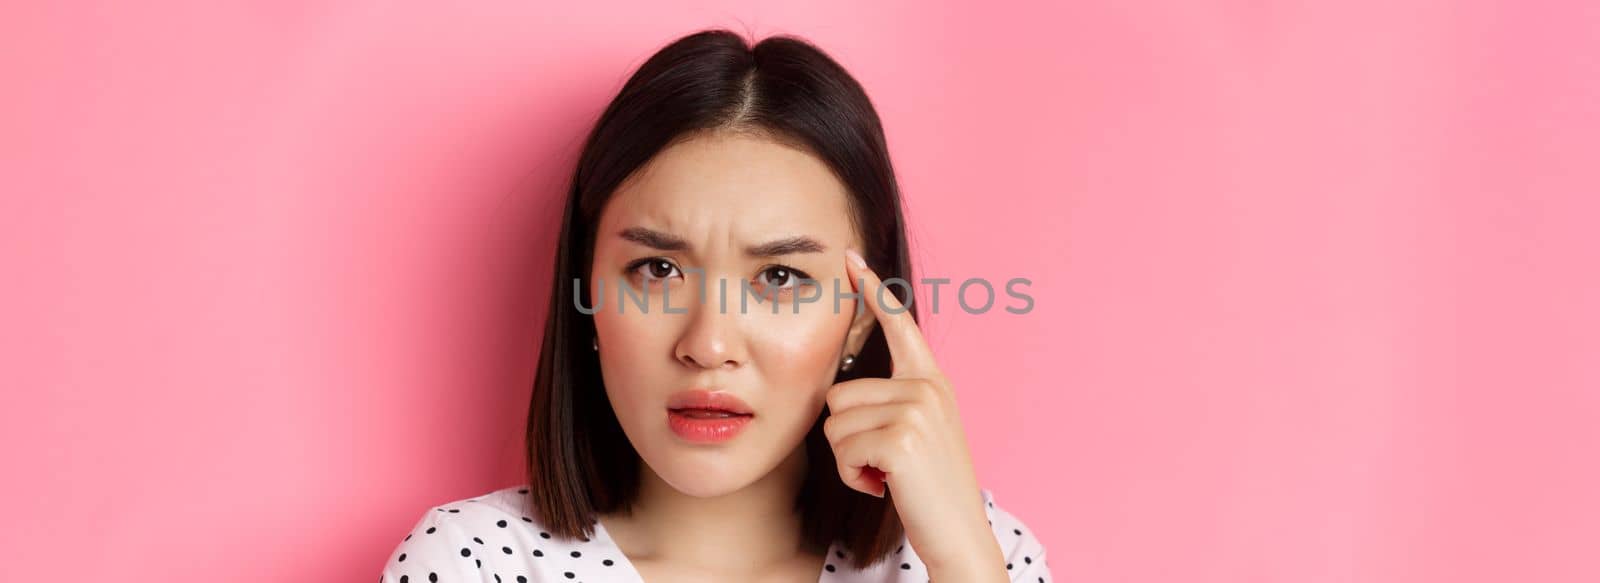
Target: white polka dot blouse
x,y
491,539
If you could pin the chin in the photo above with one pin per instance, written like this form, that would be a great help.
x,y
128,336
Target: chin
x,y
701,476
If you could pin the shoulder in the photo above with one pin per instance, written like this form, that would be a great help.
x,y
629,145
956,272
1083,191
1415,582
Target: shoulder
x,y
483,538
1025,553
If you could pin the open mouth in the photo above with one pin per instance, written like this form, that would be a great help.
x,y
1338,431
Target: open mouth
x,y
708,413
707,417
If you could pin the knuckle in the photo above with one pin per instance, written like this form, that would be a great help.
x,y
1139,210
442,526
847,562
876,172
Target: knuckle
x,y
832,396
904,440
912,416
844,468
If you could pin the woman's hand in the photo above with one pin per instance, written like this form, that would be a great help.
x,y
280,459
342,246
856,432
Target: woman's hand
x,y
902,434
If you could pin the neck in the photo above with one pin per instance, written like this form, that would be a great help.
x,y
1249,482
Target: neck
x,y
746,530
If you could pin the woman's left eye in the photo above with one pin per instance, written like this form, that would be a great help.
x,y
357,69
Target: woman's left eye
x,y
781,277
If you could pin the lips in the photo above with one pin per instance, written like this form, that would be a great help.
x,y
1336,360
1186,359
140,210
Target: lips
x,y
707,417
708,404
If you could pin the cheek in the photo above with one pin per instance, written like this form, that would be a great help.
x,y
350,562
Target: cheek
x,y
631,357
800,348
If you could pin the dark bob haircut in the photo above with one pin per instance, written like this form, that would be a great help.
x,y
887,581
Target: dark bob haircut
x,y
580,463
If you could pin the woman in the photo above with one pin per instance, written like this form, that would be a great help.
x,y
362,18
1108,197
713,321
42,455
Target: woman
x,y
713,402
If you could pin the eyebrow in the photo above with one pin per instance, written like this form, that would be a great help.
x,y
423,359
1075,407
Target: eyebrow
x,y
667,242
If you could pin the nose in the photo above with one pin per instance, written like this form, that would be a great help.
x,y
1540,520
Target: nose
x,y
711,339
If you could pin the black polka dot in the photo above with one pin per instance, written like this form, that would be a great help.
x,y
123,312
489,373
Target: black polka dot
x,y
402,557
496,578
1016,531
1028,560
477,540
466,552
431,529
538,553
569,574
899,548
839,554
501,524
506,550
906,566
479,562
543,534
828,567
526,519
521,579
455,510
576,554
606,562
433,577
1008,566
408,537
405,579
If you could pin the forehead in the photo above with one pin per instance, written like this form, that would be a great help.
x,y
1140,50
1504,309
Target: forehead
x,y
747,188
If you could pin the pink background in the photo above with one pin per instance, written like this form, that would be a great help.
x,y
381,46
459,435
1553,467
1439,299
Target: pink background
x,y
1316,284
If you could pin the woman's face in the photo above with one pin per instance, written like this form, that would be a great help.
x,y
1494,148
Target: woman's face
x,y
696,218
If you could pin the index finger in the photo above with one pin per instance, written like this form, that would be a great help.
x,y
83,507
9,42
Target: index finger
x,y
907,348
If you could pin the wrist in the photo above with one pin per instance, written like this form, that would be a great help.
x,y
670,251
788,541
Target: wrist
x,y
980,560
971,571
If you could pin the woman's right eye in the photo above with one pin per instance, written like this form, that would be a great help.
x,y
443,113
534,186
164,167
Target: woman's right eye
x,y
654,268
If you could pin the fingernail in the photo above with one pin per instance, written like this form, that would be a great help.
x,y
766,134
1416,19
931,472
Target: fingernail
x,y
855,258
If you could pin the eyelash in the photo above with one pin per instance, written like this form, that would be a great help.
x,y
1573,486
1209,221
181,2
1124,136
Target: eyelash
x,y
796,276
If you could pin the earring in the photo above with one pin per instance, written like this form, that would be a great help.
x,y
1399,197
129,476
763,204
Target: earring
x,y
597,344
849,361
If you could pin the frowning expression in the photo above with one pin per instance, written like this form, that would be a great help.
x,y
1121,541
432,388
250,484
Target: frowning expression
x,y
723,213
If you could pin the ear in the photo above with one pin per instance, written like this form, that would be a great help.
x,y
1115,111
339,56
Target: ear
x,y
860,329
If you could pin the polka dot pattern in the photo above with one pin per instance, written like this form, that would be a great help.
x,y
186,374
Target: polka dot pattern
x,y
491,538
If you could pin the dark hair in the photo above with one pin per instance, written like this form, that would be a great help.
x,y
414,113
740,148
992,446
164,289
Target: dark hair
x,y
579,461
